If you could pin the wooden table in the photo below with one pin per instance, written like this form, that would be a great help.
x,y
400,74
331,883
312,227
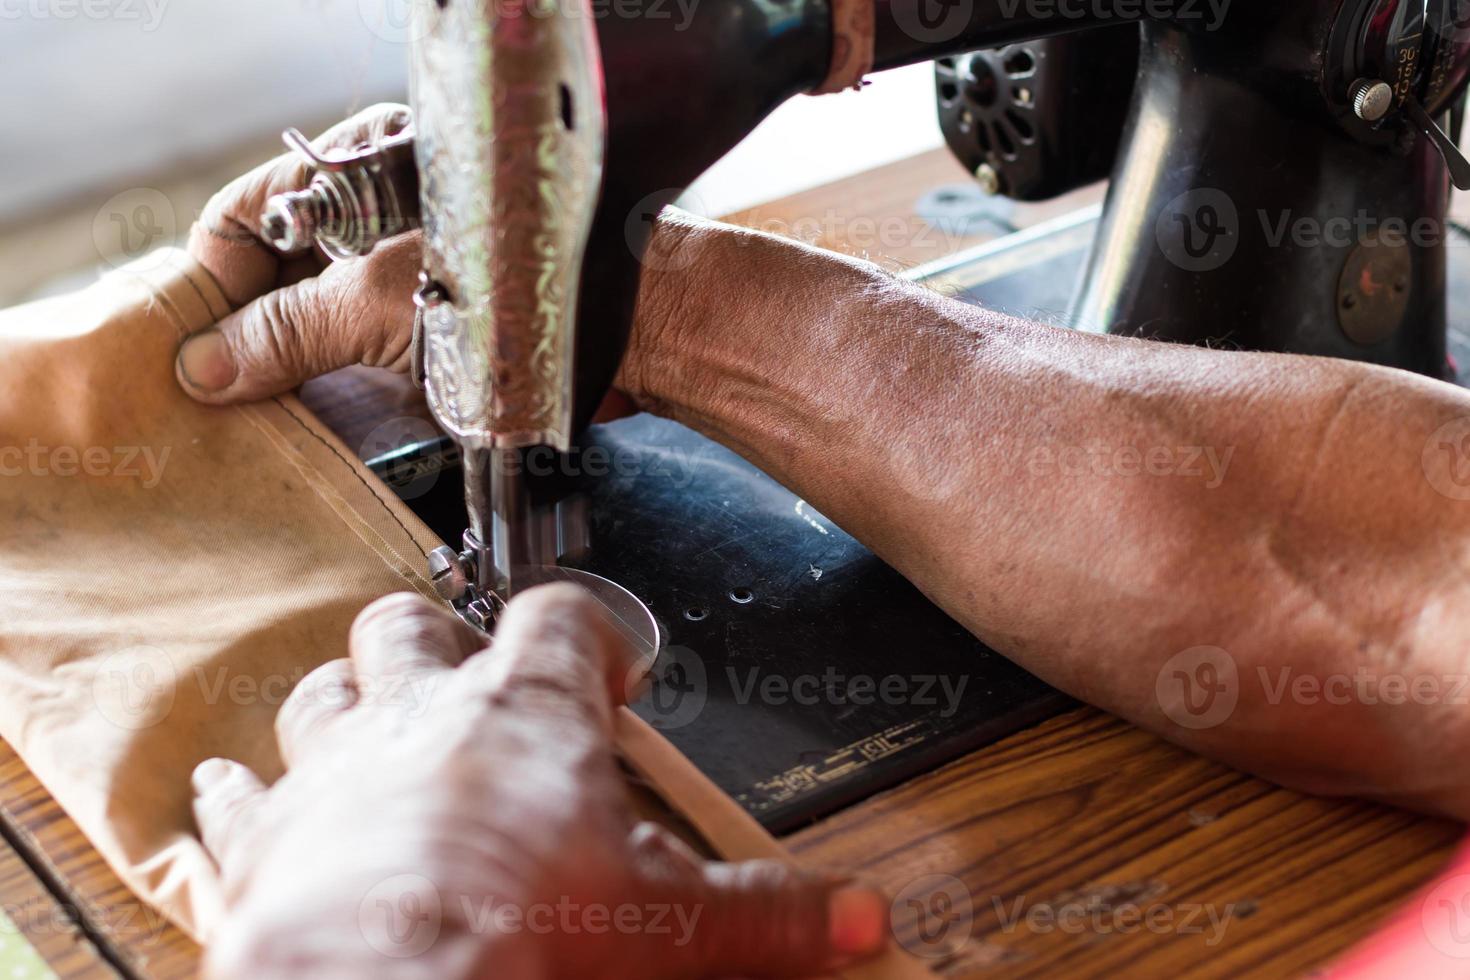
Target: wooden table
x,y
1083,847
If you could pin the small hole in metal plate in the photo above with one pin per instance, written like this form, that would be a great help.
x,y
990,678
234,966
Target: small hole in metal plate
x,y
568,120
741,596
695,613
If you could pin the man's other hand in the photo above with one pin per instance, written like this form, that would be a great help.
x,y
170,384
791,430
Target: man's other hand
x,y
452,811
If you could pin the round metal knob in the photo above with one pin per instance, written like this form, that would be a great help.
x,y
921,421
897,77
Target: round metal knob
x,y
291,220
1371,99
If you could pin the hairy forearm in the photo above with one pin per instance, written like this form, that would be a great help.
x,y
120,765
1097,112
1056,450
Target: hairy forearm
x,y
1095,507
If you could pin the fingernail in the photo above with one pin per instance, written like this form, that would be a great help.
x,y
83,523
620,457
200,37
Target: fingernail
x,y
210,773
857,921
205,361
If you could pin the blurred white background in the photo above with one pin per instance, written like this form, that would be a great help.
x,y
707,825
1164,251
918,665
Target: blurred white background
x,y
109,104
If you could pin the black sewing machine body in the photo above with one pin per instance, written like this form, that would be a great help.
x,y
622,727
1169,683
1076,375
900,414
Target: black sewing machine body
x,y
1275,186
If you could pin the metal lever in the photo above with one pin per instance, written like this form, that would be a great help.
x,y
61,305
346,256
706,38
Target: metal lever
x,y
1458,166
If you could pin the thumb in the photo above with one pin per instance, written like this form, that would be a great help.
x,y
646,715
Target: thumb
x,y
358,311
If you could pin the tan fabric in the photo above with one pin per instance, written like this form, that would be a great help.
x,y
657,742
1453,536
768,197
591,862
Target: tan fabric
x,y
168,571
159,601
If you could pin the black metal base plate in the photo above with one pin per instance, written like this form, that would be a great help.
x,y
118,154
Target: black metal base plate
x,y
800,673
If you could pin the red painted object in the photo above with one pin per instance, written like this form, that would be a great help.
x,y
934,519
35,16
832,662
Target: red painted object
x,y
1429,939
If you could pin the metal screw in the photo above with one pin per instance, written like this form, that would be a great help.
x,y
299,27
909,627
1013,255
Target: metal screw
x,y
989,179
291,220
447,572
1371,99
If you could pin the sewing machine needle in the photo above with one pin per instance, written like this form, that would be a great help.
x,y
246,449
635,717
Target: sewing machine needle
x,y
507,536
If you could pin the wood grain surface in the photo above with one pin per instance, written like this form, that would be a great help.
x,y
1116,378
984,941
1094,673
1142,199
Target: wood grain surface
x,y
1083,847
1088,848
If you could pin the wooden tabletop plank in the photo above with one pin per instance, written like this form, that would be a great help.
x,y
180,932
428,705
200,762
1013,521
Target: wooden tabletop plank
x,y
137,937
1066,837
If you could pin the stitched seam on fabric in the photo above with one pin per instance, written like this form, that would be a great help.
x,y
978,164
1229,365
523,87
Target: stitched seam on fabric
x,y
203,297
352,517
182,324
353,470
159,298
167,304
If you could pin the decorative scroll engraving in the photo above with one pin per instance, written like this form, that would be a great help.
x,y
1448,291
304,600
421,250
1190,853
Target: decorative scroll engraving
x,y
510,127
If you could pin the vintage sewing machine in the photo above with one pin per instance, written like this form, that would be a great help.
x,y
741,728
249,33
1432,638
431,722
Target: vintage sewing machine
x,y
548,134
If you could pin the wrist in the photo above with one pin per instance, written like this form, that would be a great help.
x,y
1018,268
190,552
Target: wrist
x,y
673,281
728,317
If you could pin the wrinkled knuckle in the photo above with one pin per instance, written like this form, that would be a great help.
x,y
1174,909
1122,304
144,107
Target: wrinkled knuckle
x,y
763,878
330,685
383,318
352,307
272,335
772,908
540,689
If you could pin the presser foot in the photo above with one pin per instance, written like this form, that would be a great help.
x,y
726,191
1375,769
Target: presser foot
x,y
453,575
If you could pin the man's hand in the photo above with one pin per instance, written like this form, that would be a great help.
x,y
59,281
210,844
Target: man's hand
x,y
300,316
451,812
